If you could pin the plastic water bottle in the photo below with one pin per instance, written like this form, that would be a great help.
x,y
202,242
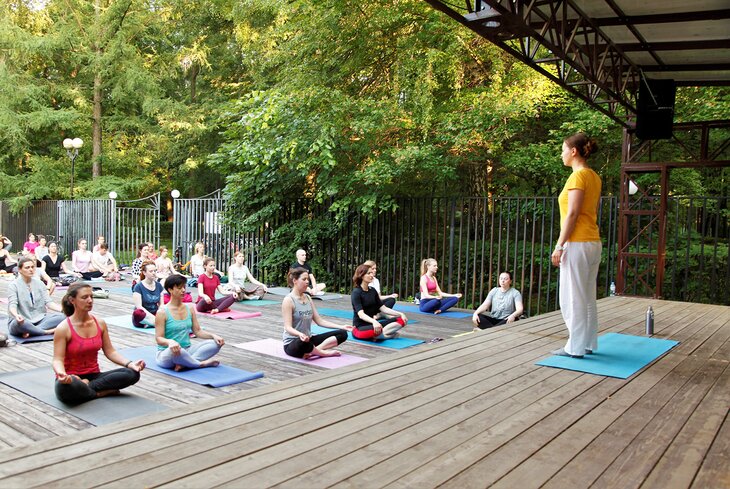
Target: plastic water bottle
x,y
649,321
613,289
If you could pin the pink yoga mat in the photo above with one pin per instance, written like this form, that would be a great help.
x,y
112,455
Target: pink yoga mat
x,y
4,300
232,314
275,348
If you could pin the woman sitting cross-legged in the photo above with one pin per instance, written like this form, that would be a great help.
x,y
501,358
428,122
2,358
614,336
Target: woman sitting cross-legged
x,y
76,345
29,303
298,311
173,324
503,305
147,296
367,305
238,274
432,298
81,261
208,284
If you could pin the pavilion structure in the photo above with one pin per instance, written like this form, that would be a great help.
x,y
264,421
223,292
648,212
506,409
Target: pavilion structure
x,y
603,51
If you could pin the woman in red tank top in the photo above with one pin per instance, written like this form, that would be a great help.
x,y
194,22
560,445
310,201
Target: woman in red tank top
x,y
76,345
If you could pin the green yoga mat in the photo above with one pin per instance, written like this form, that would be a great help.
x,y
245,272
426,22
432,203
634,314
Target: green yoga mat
x,y
618,355
260,302
39,383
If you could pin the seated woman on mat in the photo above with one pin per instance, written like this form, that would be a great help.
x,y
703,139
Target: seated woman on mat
x,y
143,254
388,300
505,303
173,324
367,305
164,265
40,272
196,261
315,288
29,305
208,284
54,262
432,298
31,244
76,345
147,297
238,273
42,249
7,262
81,262
298,312
106,263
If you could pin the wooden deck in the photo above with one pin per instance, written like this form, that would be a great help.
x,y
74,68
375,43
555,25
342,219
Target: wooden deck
x,y
470,411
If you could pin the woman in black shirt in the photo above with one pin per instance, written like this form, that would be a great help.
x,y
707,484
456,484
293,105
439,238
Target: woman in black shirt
x,y
54,263
367,304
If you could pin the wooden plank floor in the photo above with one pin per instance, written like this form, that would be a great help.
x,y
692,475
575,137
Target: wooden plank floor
x,y
470,411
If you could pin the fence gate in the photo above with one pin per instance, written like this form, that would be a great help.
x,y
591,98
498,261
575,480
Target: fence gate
x,y
136,221
83,219
124,223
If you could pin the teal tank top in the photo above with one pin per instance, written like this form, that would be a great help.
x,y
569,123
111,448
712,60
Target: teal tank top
x,y
178,329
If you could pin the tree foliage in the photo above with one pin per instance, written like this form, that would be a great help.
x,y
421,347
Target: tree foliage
x,y
348,102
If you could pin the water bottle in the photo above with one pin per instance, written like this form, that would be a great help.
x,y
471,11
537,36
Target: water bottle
x,y
613,289
649,321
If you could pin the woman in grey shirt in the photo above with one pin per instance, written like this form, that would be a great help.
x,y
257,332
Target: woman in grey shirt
x,y
29,304
503,302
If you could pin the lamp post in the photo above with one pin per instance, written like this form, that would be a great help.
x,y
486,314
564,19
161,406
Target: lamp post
x,y
72,150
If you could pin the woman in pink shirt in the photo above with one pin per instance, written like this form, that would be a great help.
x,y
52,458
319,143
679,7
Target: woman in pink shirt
x,y
432,298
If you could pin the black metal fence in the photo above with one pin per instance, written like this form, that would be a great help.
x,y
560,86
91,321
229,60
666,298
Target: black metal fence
x,y
473,239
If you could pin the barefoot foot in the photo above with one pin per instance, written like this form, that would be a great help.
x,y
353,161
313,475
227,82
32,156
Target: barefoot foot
x,y
209,363
214,311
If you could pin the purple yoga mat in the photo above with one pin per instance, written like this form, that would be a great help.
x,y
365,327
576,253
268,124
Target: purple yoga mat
x,y
275,348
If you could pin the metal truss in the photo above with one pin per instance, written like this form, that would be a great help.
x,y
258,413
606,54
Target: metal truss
x,y
557,39
643,217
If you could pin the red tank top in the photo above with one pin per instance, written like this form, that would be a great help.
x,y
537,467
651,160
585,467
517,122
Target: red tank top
x,y
82,353
430,284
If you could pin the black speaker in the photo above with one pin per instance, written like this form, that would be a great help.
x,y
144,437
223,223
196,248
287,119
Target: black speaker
x,y
655,109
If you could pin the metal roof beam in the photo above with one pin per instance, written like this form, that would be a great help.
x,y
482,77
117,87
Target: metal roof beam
x,y
674,46
663,18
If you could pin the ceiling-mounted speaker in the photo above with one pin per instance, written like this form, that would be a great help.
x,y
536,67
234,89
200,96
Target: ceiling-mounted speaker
x,y
655,109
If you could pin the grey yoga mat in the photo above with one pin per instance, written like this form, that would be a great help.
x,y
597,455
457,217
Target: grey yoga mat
x,y
39,383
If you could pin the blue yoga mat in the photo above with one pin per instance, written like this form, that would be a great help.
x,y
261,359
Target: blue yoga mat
x,y
618,355
447,314
339,313
211,376
125,321
396,343
259,302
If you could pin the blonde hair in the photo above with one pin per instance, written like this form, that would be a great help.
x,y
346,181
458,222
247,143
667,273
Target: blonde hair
x,y
427,263
370,263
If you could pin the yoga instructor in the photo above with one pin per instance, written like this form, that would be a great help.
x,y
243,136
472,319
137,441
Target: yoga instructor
x,y
578,250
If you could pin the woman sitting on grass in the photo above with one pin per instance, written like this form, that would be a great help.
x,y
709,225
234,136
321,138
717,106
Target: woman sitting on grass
x,y
173,324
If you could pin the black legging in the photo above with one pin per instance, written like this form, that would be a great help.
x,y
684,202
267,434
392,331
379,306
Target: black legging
x,y
299,348
78,392
90,275
488,321
389,302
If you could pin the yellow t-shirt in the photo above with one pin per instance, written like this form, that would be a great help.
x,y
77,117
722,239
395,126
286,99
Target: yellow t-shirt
x,y
586,226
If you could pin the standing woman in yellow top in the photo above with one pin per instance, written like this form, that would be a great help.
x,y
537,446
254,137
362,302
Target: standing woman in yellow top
x,y
578,251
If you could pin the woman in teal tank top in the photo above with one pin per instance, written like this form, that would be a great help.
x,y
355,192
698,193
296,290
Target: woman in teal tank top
x,y
172,330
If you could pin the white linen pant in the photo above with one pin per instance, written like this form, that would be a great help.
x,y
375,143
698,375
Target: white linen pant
x,y
578,273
